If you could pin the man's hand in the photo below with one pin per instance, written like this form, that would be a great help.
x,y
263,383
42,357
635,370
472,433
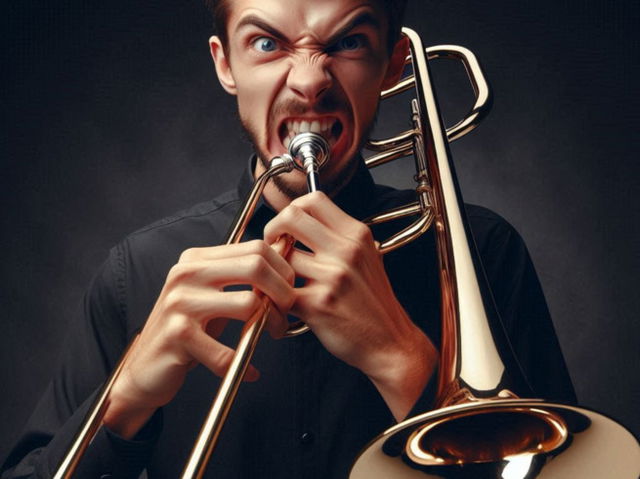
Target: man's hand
x,y
190,312
349,303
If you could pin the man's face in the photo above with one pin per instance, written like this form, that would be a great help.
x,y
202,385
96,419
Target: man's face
x,y
300,65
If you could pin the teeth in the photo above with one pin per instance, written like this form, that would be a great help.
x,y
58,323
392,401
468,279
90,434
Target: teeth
x,y
322,127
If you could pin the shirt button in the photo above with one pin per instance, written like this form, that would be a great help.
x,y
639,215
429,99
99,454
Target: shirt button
x,y
306,438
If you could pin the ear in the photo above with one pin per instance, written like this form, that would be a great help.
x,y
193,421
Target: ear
x,y
396,63
223,68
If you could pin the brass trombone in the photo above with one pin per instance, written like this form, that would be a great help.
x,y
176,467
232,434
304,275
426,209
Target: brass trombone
x,y
480,428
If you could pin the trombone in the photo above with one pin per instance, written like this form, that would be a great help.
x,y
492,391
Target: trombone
x,y
480,428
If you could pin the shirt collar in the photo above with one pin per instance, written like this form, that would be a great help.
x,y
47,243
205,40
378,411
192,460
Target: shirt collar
x,y
356,198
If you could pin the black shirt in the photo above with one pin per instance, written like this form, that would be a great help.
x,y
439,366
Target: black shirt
x,y
310,413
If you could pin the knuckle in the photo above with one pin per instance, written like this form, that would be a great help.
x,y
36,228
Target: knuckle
x,y
313,197
178,274
291,213
180,329
257,265
340,277
174,301
187,255
352,253
326,299
300,201
258,247
249,301
362,233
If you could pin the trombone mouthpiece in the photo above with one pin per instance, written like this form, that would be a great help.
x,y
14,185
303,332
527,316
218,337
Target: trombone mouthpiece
x,y
309,152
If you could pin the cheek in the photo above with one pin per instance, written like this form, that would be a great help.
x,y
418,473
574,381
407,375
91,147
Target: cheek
x,y
251,103
256,90
362,83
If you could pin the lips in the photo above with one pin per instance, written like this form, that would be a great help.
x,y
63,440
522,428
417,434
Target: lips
x,y
328,127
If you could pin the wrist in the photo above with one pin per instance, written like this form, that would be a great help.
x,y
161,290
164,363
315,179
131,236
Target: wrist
x,y
405,374
125,418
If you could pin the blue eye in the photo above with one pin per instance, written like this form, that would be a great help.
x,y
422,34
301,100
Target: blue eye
x,y
265,44
350,43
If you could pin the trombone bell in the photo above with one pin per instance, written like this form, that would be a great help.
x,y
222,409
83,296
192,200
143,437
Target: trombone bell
x,y
502,439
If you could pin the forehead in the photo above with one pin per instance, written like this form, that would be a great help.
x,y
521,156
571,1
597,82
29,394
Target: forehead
x,y
315,17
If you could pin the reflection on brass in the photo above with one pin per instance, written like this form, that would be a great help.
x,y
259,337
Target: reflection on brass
x,y
479,428
486,436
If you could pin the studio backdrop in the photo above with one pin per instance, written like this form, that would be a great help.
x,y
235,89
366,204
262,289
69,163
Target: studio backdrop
x,y
113,118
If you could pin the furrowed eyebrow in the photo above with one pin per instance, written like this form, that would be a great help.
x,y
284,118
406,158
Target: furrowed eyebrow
x,y
362,19
254,20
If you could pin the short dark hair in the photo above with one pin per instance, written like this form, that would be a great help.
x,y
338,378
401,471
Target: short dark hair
x,y
395,12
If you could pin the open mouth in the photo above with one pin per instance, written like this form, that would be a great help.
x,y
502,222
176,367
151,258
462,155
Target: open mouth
x,y
329,128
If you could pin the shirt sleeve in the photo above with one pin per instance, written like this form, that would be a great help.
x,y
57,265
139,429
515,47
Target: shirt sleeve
x,y
94,343
522,308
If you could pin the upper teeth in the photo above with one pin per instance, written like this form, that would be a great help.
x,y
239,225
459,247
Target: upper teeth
x,y
322,127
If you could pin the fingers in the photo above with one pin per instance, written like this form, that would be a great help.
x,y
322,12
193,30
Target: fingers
x,y
242,305
214,355
317,222
303,227
256,247
192,286
321,207
201,306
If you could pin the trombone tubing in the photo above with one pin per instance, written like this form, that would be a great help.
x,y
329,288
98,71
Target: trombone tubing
x,y
219,411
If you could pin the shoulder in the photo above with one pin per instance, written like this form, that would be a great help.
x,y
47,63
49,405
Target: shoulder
x,y
496,239
209,215
160,243
487,223
137,266
203,224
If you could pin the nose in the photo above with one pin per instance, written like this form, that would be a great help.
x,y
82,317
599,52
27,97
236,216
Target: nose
x,y
309,78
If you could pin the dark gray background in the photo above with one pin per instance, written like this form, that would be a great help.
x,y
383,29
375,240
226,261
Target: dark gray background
x,y
113,118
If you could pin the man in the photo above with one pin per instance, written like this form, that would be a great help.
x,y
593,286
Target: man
x,y
294,65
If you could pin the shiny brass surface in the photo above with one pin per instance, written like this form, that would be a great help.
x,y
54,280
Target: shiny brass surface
x,y
502,439
479,427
